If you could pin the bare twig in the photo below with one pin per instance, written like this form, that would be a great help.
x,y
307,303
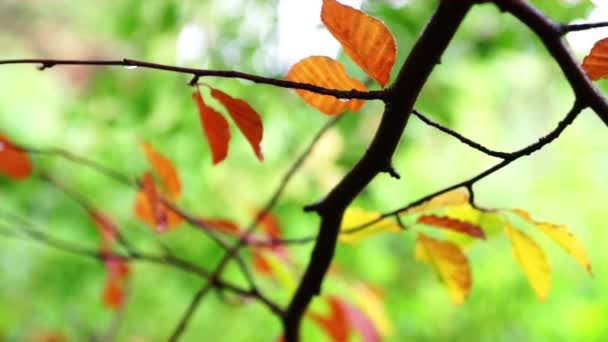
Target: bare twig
x,y
198,73
566,28
460,137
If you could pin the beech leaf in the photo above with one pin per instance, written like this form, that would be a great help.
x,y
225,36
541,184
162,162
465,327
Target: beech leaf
x,y
222,225
595,64
532,260
165,170
246,118
354,217
562,236
335,322
449,262
453,224
150,209
366,40
215,128
117,273
328,73
106,228
14,163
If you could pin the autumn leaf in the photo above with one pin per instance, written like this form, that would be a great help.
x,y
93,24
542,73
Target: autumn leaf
x,y
246,118
354,217
371,301
335,322
117,273
595,64
14,163
270,225
106,228
222,225
215,128
452,224
328,73
272,264
150,208
450,198
562,236
343,318
366,40
165,170
449,262
532,260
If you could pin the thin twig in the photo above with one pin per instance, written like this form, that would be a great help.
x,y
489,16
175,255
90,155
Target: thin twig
x,y
198,73
566,28
244,238
460,137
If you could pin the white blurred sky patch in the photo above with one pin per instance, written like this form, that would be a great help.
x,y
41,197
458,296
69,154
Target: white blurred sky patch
x,y
300,32
192,42
582,41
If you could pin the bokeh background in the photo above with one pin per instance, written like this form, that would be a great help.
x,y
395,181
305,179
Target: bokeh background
x,y
496,85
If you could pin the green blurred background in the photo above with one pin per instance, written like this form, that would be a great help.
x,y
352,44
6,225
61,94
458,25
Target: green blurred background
x,y
496,85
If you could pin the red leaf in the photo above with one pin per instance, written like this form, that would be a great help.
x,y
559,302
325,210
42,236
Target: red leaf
x,y
117,273
245,117
335,323
215,128
107,230
453,224
158,209
165,170
14,163
270,225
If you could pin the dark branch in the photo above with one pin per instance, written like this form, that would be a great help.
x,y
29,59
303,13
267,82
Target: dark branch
x,y
399,104
566,28
198,73
550,34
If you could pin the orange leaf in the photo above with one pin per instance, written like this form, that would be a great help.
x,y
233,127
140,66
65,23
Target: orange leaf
x,y
453,224
270,225
595,64
325,72
117,273
14,163
245,117
165,170
150,209
365,39
449,263
223,225
260,263
215,127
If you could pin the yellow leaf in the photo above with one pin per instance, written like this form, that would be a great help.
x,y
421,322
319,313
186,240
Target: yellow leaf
x,y
562,236
448,199
532,260
354,217
372,304
328,73
281,272
365,39
451,265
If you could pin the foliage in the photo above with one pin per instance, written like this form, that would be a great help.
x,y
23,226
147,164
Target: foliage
x,y
449,225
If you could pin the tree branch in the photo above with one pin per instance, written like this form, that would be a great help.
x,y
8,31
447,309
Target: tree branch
x,y
198,73
566,28
399,104
550,34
